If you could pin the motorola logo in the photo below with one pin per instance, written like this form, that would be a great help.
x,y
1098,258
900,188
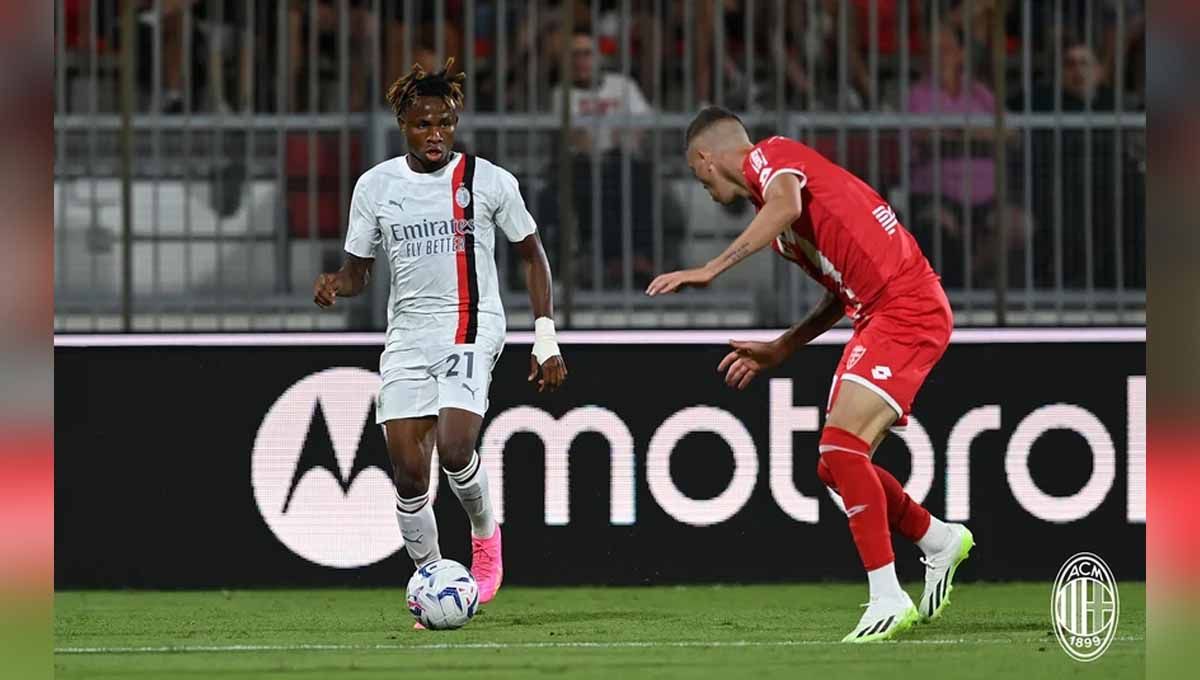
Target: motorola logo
x,y
319,470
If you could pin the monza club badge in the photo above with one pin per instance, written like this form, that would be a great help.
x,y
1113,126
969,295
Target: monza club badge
x,y
1085,607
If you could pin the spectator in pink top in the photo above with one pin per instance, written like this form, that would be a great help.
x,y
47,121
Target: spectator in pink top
x,y
966,187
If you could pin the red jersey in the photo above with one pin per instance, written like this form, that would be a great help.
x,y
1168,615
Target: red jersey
x,y
847,237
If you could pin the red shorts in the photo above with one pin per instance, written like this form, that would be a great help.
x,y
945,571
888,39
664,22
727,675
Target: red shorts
x,y
893,351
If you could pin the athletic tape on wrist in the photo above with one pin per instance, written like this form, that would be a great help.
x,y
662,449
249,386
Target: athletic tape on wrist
x,y
545,342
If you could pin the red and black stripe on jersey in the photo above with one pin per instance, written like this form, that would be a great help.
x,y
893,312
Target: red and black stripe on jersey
x,y
468,276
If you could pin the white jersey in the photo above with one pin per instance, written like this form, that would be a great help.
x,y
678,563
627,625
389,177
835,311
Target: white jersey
x,y
614,95
438,231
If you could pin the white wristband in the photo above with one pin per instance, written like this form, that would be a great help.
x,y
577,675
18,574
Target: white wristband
x,y
545,345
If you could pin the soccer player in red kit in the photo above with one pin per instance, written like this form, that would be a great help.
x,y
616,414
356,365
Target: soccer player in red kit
x,y
844,235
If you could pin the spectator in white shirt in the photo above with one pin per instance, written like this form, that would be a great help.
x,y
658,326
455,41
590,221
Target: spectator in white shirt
x,y
609,94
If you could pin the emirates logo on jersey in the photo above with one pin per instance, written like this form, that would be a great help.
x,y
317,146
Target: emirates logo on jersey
x,y
433,237
426,229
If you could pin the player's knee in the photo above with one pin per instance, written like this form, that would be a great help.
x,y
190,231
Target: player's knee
x,y
455,453
860,411
411,476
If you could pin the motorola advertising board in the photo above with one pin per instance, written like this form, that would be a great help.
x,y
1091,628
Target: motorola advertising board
x,y
254,460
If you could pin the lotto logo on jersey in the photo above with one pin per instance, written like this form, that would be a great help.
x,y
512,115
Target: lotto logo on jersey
x,y
887,218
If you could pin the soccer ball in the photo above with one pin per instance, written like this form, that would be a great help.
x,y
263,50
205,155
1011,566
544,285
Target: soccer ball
x,y
443,595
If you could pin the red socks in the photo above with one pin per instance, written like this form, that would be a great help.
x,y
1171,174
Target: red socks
x,y
905,516
849,465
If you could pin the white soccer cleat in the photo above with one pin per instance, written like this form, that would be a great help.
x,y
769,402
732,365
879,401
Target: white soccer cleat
x,y
884,619
939,572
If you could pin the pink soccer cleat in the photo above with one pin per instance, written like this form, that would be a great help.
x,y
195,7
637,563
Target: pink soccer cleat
x,y
487,565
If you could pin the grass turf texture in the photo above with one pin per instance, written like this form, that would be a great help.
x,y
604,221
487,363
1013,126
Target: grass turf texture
x,y
784,631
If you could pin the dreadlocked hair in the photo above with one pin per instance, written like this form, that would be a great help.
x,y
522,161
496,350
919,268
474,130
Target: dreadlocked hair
x,y
419,83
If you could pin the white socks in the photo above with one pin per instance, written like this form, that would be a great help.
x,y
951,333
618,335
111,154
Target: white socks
x,y
936,538
884,584
470,484
418,526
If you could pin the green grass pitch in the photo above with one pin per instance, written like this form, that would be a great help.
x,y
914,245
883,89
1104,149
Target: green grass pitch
x,y
738,632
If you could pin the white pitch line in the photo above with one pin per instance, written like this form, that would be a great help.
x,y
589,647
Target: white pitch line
x,y
183,649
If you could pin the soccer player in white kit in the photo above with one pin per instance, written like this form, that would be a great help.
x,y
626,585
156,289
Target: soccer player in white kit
x,y
435,214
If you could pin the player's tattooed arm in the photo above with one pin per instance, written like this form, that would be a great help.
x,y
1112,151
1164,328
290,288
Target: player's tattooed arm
x,y
348,281
781,207
736,255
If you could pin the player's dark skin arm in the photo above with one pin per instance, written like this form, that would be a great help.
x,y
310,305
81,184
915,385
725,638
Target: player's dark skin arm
x,y
541,297
348,281
781,207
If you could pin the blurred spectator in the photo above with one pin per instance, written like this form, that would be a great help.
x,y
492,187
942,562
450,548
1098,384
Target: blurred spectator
x,y
1096,22
1082,83
811,43
541,34
965,197
974,18
218,50
85,45
641,27
611,220
611,94
170,23
393,27
325,21
608,94
1135,75
423,28
888,38
1090,160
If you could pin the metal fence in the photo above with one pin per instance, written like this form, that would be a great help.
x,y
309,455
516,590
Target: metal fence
x,y
205,150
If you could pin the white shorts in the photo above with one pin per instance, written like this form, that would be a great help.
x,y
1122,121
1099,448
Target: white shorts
x,y
419,381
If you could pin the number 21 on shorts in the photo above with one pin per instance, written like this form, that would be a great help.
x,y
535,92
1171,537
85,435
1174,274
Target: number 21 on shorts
x,y
456,359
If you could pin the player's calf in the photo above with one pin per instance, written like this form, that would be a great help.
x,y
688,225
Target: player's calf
x,y
945,545
418,526
846,466
470,485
